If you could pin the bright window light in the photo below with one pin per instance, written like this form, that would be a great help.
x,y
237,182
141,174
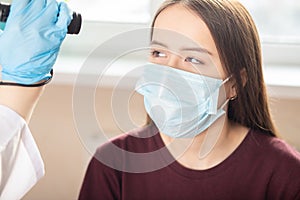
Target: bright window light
x,y
278,21
121,11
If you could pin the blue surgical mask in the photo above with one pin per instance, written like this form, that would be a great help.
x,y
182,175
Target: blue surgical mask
x,y
180,103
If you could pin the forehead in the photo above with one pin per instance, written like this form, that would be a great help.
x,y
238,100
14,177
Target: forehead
x,y
185,28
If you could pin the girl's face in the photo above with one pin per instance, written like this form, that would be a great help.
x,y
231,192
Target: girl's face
x,y
182,40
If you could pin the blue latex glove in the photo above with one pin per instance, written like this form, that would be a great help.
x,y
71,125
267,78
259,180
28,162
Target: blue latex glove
x,y
31,40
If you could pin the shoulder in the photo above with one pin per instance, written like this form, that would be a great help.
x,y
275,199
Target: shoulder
x,y
126,147
139,140
112,159
277,161
275,147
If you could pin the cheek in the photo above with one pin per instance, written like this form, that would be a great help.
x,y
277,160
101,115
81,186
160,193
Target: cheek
x,y
155,60
219,69
224,94
158,61
150,59
229,90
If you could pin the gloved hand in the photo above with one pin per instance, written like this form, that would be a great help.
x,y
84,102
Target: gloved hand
x,y
31,40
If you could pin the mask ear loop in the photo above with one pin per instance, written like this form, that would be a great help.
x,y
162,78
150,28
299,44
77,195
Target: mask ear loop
x,y
210,136
231,98
205,141
226,79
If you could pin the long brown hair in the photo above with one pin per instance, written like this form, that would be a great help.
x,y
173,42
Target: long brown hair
x,y
238,45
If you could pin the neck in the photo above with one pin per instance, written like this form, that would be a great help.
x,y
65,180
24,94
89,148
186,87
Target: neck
x,y
210,147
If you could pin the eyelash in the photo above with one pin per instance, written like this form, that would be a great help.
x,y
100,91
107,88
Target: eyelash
x,y
192,60
196,61
156,53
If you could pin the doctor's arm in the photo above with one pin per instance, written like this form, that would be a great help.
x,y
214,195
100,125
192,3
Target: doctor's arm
x,y
20,99
21,164
29,46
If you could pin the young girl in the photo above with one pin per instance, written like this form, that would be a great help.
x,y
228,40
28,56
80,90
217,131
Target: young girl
x,y
234,152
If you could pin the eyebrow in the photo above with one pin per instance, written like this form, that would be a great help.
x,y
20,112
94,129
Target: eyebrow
x,y
197,49
154,42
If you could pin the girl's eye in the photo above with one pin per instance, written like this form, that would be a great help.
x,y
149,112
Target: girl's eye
x,y
158,54
194,60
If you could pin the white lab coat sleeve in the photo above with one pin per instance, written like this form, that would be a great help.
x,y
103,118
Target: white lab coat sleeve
x,y
21,165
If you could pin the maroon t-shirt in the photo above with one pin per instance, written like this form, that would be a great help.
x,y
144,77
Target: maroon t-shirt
x,y
262,167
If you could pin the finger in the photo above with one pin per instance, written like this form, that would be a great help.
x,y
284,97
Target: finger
x,y
49,14
29,8
37,6
18,5
64,16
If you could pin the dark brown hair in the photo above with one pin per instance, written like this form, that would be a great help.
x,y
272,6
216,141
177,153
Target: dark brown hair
x,y
237,41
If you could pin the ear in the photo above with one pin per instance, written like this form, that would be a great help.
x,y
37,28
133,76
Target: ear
x,y
232,88
232,94
244,76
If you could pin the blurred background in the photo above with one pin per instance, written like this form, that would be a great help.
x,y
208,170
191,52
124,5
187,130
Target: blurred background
x,y
66,152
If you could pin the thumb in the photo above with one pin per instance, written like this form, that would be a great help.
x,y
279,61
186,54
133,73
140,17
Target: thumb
x,y
64,16
18,5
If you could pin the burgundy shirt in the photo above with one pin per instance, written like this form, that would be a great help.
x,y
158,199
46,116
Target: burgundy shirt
x,y
262,167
